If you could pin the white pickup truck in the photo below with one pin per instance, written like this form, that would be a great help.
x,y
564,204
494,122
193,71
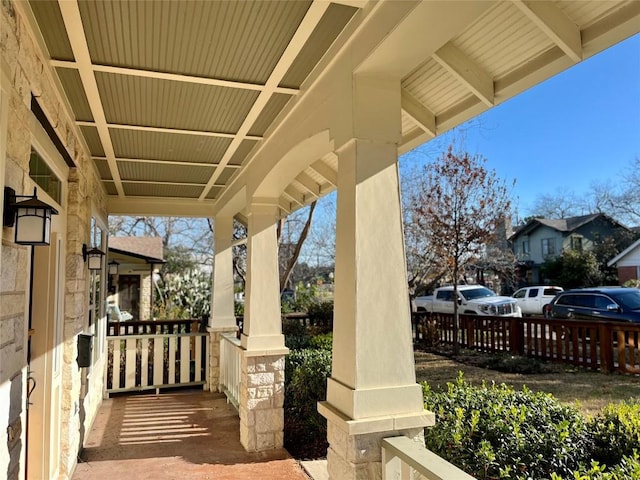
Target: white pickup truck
x,y
472,299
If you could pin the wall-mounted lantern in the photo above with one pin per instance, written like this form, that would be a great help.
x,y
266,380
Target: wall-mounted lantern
x,y
113,267
31,217
92,257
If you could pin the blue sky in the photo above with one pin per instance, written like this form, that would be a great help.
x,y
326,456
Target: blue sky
x,y
581,126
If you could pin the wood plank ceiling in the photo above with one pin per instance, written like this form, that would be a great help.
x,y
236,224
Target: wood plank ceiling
x,y
172,97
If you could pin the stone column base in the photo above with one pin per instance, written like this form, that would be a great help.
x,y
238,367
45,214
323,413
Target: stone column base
x,y
262,401
355,449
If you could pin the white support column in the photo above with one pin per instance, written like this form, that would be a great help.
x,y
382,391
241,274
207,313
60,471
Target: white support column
x,y
262,369
262,329
222,307
222,319
372,392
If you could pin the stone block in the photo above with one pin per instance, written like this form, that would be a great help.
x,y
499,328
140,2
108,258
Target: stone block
x,y
259,404
264,392
265,441
260,379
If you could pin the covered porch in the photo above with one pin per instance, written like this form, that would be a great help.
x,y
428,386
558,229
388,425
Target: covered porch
x,y
245,112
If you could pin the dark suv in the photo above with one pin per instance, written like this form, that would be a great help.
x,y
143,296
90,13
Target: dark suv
x,y
611,303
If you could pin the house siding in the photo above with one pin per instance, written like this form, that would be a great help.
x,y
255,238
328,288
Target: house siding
x,y
26,76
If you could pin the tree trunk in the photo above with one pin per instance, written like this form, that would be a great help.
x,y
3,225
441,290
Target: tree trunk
x,y
456,313
296,252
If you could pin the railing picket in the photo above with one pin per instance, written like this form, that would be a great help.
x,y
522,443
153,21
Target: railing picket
x,y
130,363
144,362
198,359
115,375
158,362
185,359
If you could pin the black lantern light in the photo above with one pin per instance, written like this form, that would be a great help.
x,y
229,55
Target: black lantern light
x,y
113,267
31,217
93,257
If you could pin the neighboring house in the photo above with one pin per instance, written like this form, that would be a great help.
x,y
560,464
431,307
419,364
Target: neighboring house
x,y
131,288
543,238
628,263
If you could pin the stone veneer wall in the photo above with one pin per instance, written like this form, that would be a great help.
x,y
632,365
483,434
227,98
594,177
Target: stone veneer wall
x,y
29,75
262,402
13,286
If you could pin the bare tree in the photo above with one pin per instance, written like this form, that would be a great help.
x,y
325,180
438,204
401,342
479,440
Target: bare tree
x,y
290,255
463,205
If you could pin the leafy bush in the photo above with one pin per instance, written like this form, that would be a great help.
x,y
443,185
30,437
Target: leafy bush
x,y
616,432
498,432
296,335
321,313
306,372
627,469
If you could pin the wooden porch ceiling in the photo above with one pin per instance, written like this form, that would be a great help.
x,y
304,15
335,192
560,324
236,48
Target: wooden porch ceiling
x,y
173,99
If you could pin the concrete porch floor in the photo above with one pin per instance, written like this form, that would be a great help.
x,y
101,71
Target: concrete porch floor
x,y
191,435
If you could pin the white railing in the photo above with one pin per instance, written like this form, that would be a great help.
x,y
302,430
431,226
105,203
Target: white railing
x,y
405,459
146,362
230,356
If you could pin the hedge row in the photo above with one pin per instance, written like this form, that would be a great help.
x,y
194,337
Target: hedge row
x,y
490,431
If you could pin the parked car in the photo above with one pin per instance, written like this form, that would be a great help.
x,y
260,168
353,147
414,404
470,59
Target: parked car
x,y
606,303
472,300
534,300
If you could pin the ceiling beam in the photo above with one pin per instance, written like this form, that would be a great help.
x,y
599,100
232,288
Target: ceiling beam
x,y
174,77
555,24
420,114
309,184
304,31
325,171
75,31
294,195
466,71
175,207
201,133
167,162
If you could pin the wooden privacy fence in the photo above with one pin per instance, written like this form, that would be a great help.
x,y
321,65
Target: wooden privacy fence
x,y
155,361
609,346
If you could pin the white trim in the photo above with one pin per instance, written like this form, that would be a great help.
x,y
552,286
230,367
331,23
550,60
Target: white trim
x,y
624,253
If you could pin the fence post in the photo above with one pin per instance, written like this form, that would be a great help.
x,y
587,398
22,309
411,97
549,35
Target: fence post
x,y
516,336
606,348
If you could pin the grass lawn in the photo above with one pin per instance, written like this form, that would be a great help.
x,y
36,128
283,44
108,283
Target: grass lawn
x,y
587,389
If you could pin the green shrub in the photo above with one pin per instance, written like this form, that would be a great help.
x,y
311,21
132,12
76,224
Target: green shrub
x,y
321,313
498,432
305,431
616,432
627,469
296,335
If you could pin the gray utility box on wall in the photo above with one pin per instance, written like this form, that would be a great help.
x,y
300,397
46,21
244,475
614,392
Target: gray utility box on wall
x,y
84,349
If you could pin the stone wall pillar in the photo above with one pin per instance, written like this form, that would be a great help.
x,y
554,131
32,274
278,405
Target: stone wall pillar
x,y
372,392
262,402
262,376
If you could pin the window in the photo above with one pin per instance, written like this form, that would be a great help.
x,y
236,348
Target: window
x,y
533,293
548,246
576,243
95,322
525,246
44,177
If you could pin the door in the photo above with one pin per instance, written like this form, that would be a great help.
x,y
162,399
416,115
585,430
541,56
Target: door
x,y
44,362
129,294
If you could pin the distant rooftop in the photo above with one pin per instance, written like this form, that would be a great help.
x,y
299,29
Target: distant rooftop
x,y
148,247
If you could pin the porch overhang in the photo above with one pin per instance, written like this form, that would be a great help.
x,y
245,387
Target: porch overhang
x,y
182,106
